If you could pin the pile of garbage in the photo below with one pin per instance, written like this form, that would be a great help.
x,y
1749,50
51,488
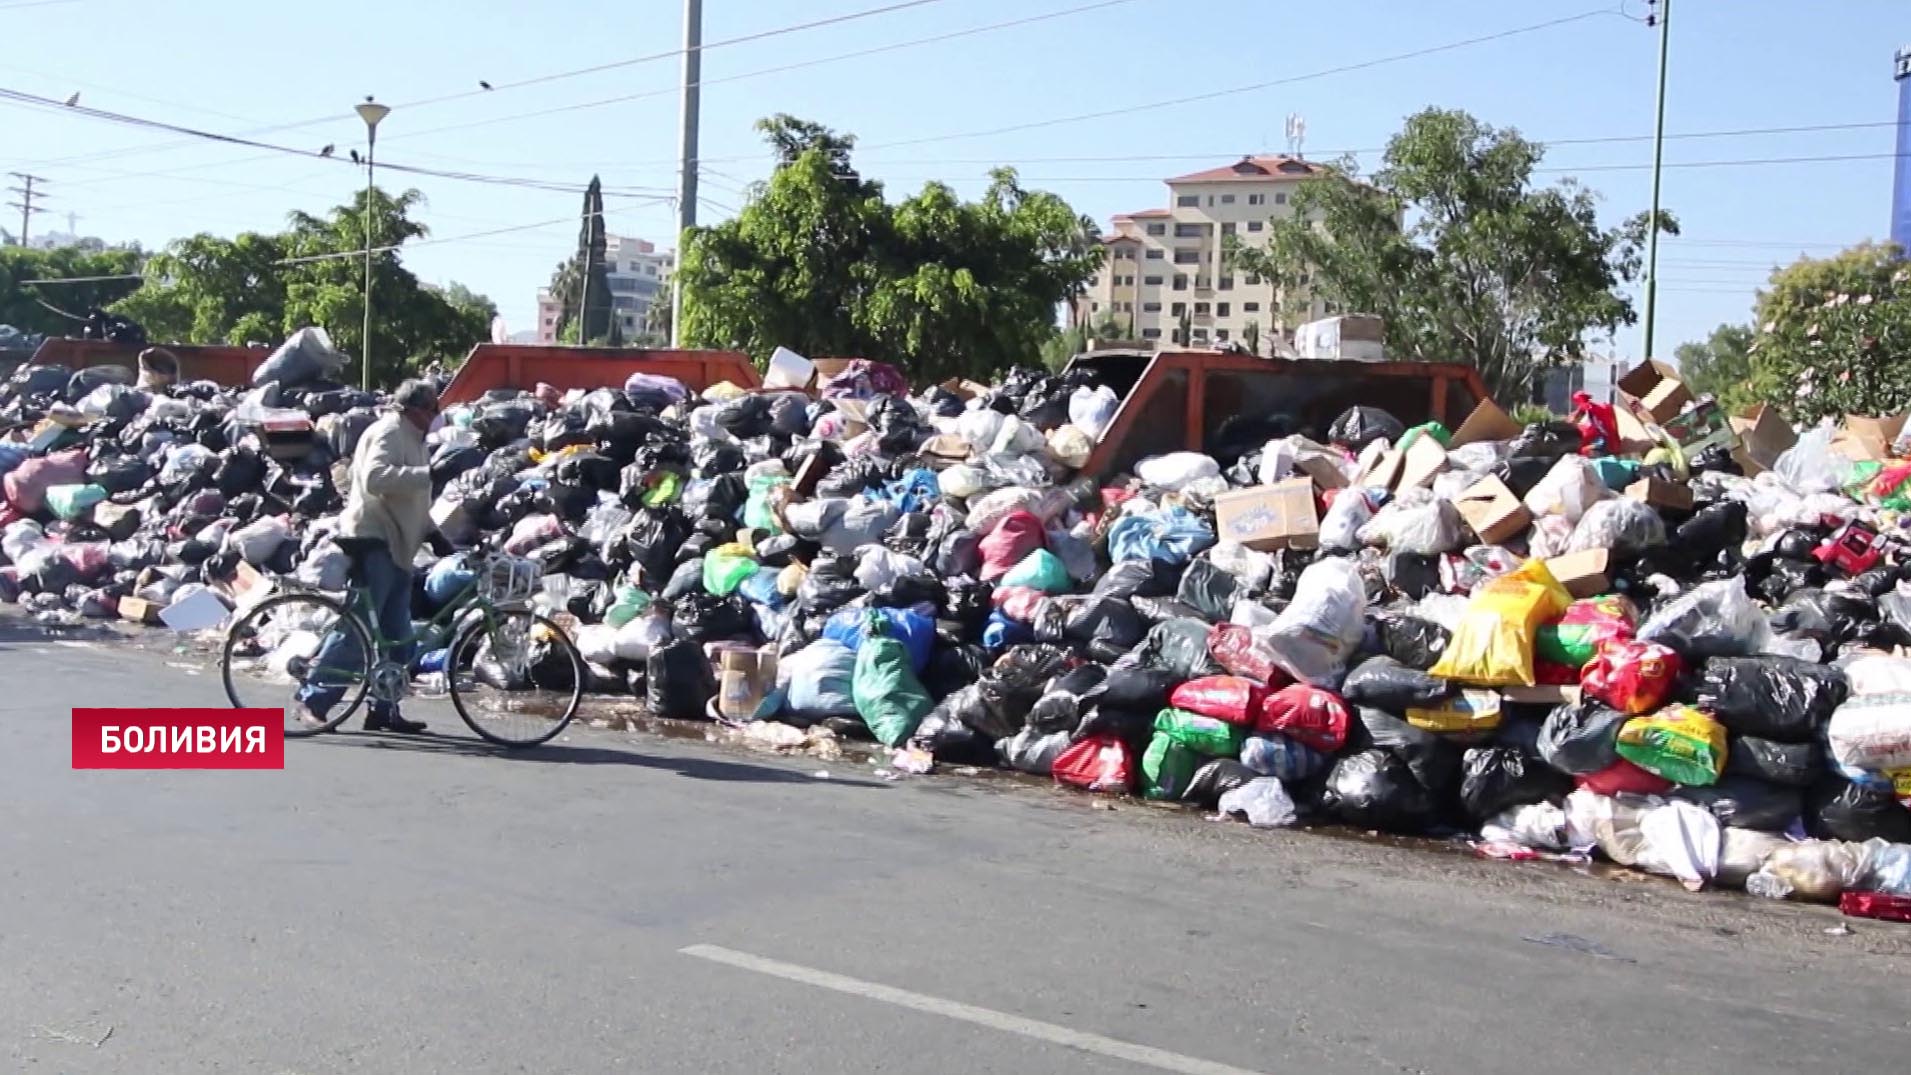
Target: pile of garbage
x,y
1622,633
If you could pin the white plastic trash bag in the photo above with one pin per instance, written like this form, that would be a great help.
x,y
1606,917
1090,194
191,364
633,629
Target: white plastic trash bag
x,y
1571,487
1176,470
1321,628
1340,527
257,541
1263,801
1872,729
1682,840
1091,409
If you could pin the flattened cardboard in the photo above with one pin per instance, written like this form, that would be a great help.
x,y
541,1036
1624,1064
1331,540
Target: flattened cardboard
x,y
1423,460
827,368
1868,439
1702,427
1379,471
1661,494
1325,472
1487,423
1763,435
1655,390
1270,517
1493,512
1583,574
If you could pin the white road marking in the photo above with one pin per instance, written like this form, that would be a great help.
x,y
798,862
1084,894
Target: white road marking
x,y
967,1013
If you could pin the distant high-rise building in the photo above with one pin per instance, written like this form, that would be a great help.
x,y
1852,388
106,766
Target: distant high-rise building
x,y
1901,188
637,272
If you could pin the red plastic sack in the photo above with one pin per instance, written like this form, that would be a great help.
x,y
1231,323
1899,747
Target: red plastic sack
x,y
1098,763
1234,699
1020,603
1233,647
1876,905
26,484
1018,534
1623,777
1598,426
1631,676
1308,715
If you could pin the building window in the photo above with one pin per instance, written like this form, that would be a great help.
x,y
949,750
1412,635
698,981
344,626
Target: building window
x,y
1190,231
1150,307
1187,257
1151,281
1202,283
1227,283
1220,309
1180,282
1257,199
1306,277
1220,334
1200,309
1131,282
1151,334
1227,199
1094,307
1200,335
1250,307
1255,225
1280,199
1178,309
1155,255
1227,229
1253,280
1127,307
1188,201
1094,281
1157,229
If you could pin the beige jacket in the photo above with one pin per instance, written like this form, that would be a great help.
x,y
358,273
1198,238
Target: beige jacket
x,y
390,498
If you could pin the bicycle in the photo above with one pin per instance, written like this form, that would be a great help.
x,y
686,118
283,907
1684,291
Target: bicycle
x,y
514,676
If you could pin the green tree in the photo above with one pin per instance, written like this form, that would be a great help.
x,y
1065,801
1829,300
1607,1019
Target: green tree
x,y
1833,335
585,277
258,288
1184,331
1721,365
1065,345
819,262
31,308
1452,244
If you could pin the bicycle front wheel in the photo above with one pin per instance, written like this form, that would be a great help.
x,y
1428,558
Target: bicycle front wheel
x,y
515,678
272,652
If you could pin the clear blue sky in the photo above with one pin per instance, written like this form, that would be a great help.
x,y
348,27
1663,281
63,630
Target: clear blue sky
x,y
232,65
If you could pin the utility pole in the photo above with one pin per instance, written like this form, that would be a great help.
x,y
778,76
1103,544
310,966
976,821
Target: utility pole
x,y
687,152
25,204
1663,16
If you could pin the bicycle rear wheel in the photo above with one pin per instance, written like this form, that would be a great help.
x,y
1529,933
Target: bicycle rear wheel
x,y
269,654
515,678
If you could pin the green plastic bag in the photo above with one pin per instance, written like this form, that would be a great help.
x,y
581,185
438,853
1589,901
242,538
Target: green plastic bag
x,y
1040,570
630,602
725,568
887,694
1429,429
69,502
1203,735
756,510
664,489
1166,768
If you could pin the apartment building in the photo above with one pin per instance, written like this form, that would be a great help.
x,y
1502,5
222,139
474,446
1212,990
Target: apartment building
x,y
637,272
1166,262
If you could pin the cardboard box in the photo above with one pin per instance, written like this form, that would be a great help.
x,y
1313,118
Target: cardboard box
x,y
827,368
1583,574
1325,471
813,470
1634,437
139,610
1661,494
1379,467
1704,426
1868,439
1423,460
1270,517
1487,423
1763,435
1493,512
1655,390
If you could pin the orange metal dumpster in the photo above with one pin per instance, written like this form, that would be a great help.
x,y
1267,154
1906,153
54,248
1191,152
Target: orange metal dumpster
x,y
505,365
230,366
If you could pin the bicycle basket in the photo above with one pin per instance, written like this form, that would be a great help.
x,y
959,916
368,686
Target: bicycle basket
x,y
508,580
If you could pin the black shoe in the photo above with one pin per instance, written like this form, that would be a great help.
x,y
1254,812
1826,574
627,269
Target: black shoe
x,y
392,722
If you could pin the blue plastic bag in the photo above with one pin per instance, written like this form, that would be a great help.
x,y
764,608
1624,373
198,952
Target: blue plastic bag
x,y
918,490
819,680
1002,632
1283,758
11,455
916,632
760,588
1173,535
447,579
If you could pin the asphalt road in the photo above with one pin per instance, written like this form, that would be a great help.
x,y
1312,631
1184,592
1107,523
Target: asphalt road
x,y
626,902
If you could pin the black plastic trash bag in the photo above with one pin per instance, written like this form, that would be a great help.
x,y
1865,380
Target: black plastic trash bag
x,y
678,683
1500,778
1742,803
1060,707
1780,698
1837,809
1410,574
701,617
1358,427
1412,641
1581,737
1215,779
119,474
953,668
1105,621
1435,761
1715,528
1551,441
1374,789
1139,578
1385,683
1796,765
1179,646
1131,726
1138,687
1208,590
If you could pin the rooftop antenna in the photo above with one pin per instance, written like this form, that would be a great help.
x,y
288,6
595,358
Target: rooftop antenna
x,y
1296,134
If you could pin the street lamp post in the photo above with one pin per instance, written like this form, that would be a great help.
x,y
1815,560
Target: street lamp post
x,y
371,112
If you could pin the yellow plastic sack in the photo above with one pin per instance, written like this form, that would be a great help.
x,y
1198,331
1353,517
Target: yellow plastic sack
x,y
722,392
1493,646
1680,743
1467,711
